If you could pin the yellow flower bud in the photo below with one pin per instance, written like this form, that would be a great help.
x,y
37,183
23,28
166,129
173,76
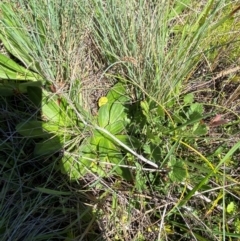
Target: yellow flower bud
x,y
102,101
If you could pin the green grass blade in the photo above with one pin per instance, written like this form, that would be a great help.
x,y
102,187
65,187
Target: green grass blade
x,y
205,180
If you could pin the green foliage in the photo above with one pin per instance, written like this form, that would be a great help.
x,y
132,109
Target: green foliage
x,y
155,60
231,208
150,48
232,211
58,121
10,70
237,226
225,39
158,130
44,37
178,171
113,117
16,40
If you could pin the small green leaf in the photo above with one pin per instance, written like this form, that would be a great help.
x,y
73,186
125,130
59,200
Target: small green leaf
x,y
188,99
178,118
231,208
200,130
145,107
160,111
196,107
147,149
178,171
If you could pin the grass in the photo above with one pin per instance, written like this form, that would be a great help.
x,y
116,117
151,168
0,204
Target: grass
x,y
157,157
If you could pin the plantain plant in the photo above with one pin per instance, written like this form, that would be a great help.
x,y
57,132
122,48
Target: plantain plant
x,y
24,69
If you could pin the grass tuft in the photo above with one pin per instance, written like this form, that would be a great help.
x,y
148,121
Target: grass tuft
x,y
119,120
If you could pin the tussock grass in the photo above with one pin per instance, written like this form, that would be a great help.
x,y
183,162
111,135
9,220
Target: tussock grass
x,y
159,50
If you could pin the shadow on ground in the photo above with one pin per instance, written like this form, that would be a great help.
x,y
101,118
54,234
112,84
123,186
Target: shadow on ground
x,y
37,201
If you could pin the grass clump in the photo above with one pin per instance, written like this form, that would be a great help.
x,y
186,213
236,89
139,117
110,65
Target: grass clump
x,y
120,121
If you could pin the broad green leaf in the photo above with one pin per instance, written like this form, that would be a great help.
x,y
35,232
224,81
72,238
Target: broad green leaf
x,y
48,147
125,139
35,95
116,127
72,167
32,129
52,110
103,115
147,149
94,140
113,110
116,112
52,128
103,145
156,152
87,154
85,114
9,69
23,87
118,94
97,134
106,147
67,114
194,116
178,118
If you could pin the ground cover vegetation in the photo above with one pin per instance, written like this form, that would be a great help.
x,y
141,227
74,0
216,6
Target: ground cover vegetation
x,y
119,120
